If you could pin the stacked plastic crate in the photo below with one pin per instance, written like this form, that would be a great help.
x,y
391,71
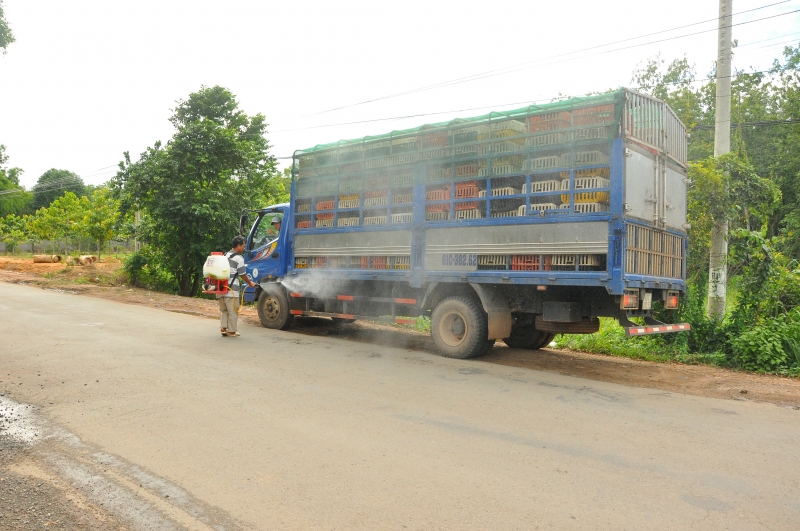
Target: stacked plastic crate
x,y
437,211
467,209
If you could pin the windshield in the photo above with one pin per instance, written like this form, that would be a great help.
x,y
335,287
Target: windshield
x,y
267,230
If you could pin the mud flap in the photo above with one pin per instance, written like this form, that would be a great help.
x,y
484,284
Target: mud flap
x,y
496,307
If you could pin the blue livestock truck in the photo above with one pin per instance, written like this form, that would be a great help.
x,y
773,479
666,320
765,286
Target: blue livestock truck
x,y
514,225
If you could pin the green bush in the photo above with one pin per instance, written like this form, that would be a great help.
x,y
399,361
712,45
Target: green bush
x,y
146,271
771,345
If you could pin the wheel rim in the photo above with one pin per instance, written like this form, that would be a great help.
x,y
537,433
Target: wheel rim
x,y
272,308
453,328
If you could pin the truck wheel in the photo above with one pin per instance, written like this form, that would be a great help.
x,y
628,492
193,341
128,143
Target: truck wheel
x,y
273,308
529,338
459,328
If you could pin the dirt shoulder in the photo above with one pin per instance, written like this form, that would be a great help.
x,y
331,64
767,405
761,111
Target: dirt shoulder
x,y
98,281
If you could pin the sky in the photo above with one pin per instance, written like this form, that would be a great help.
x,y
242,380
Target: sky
x,y
88,80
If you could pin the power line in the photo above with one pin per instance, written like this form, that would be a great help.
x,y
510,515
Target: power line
x,y
500,71
761,123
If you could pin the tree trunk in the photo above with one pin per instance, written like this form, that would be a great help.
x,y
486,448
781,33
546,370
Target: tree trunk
x,y
196,278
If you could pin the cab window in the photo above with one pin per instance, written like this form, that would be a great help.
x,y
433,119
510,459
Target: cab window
x,y
267,230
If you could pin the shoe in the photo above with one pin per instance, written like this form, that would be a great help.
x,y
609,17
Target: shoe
x,y
233,334
223,331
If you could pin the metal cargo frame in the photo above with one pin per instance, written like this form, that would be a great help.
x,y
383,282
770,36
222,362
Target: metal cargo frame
x,y
638,120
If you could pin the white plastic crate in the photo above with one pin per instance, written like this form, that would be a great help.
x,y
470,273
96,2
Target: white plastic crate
x,y
584,208
349,203
306,207
437,216
511,126
347,154
376,182
402,262
590,260
347,222
403,179
437,154
402,198
323,223
583,158
547,139
497,148
326,187
492,259
356,262
375,220
468,214
536,207
480,129
503,169
508,213
585,183
542,186
543,163
404,217
350,185
562,260
592,133
436,174
375,201
405,158
465,150
378,163
504,190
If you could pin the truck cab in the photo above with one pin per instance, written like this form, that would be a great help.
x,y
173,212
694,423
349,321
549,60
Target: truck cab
x,y
266,246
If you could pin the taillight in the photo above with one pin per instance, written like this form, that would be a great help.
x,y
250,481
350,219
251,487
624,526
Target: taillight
x,y
671,300
630,299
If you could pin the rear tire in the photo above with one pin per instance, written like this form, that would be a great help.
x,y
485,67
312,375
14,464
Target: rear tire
x,y
273,308
459,328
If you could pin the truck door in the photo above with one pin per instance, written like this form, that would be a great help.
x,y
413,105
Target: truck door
x,y
266,248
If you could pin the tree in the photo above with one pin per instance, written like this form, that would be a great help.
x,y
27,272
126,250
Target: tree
x,y
63,219
13,198
13,231
193,188
100,216
53,184
6,37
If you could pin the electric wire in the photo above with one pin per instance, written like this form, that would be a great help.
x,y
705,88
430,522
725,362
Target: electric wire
x,y
501,71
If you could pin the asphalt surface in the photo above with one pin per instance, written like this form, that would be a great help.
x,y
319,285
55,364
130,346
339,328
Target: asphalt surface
x,y
167,424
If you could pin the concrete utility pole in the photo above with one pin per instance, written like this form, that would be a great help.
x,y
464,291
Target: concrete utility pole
x,y
718,263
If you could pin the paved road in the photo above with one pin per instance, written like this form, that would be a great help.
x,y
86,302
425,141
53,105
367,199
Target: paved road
x,y
275,430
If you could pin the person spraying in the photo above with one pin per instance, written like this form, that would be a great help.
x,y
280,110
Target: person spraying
x,y
229,302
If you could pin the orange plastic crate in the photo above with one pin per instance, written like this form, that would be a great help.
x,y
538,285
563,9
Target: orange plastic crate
x,y
432,140
548,121
303,224
320,261
467,189
324,216
442,207
599,114
325,205
469,205
438,195
378,262
525,262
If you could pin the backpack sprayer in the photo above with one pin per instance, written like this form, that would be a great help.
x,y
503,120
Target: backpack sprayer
x,y
216,273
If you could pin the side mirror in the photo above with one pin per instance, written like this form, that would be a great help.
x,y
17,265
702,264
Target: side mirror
x,y
243,224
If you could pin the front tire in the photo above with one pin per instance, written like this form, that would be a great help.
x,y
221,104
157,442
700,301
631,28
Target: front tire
x,y
273,308
530,338
459,328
